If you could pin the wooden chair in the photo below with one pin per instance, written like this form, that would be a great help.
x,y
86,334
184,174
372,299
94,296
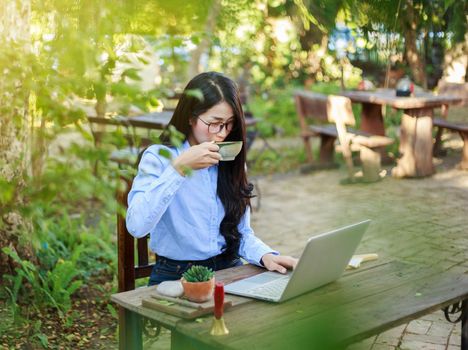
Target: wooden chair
x,y
131,269
327,117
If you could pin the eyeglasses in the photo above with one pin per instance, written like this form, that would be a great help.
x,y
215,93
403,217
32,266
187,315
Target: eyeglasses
x,y
214,128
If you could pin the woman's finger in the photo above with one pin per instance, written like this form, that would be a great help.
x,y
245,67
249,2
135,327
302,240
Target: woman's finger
x,y
213,147
215,155
276,267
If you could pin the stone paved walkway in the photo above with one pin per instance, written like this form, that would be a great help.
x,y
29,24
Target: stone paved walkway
x,y
413,219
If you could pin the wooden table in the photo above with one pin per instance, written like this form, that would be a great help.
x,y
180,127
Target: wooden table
x,y
416,125
154,120
364,302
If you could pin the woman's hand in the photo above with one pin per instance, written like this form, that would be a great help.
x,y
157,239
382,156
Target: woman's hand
x,y
280,263
196,157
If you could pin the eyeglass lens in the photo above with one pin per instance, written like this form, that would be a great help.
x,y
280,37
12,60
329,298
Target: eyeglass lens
x,y
218,127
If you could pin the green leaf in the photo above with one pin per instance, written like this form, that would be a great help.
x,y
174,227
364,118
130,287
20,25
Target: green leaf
x,y
74,286
100,90
7,191
448,3
165,153
43,340
143,60
197,93
131,73
112,311
175,136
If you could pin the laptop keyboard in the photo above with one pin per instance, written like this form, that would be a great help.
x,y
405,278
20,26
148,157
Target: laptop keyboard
x,y
272,289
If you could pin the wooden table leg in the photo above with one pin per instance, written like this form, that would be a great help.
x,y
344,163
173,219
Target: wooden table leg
x,y
464,325
372,120
464,161
327,149
181,342
438,151
130,330
415,144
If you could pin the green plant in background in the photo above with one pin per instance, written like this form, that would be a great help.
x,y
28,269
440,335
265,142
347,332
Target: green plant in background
x,y
198,273
276,111
52,288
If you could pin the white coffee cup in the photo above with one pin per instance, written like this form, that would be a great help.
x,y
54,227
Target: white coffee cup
x,y
229,149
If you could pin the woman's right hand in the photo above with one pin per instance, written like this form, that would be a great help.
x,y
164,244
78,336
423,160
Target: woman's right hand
x,y
196,157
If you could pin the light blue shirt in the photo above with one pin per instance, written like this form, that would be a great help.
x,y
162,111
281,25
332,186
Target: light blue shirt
x,y
183,214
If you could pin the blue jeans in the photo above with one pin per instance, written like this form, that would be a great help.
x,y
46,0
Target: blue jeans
x,y
167,269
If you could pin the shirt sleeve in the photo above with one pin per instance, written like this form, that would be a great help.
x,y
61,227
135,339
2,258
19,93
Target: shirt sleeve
x,y
251,247
153,188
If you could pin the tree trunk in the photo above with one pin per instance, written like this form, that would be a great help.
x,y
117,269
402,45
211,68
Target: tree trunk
x,y
413,57
15,230
204,44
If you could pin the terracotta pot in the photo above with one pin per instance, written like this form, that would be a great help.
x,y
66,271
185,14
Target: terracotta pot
x,y
198,292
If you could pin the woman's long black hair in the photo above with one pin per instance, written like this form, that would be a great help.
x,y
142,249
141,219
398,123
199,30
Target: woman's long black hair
x,y
201,93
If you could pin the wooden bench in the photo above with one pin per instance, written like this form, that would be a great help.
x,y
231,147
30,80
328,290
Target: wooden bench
x,y
327,117
460,126
462,129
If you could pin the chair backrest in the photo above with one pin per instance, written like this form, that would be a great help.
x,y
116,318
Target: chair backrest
x,y
128,269
314,108
318,108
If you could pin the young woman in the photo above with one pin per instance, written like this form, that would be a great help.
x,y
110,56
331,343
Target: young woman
x,y
196,208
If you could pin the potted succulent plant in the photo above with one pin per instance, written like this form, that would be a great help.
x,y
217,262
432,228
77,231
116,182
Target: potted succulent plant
x,y
198,282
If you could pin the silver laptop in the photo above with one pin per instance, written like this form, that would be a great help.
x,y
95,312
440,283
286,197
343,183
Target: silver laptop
x,y
323,260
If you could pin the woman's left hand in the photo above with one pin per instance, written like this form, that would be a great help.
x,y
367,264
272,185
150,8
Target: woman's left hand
x,y
280,263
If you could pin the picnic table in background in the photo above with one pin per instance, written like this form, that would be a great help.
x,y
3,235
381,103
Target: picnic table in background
x,y
104,130
415,129
153,120
149,122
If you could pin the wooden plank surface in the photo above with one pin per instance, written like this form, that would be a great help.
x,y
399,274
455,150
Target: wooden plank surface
x,y
458,126
388,97
365,317
181,310
154,120
132,300
355,306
